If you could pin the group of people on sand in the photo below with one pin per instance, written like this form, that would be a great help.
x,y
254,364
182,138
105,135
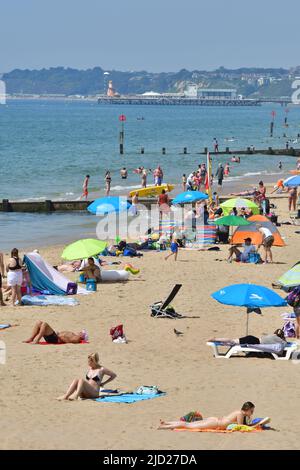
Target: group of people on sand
x,y
88,387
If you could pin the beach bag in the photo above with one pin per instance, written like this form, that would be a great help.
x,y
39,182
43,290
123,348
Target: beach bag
x,y
116,332
289,329
254,258
293,299
147,390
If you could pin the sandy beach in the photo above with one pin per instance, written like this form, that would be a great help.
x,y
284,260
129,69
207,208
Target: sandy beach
x,y
183,367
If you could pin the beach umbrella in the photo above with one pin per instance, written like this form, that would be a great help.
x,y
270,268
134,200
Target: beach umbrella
x,y
292,181
291,278
251,296
231,221
189,197
228,205
83,249
106,205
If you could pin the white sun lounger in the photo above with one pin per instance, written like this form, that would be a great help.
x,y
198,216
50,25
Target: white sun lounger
x,y
237,349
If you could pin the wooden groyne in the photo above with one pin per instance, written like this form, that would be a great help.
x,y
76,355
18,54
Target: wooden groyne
x,y
49,206
290,152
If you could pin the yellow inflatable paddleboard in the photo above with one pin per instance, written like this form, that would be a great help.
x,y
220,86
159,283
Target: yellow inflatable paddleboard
x,y
151,191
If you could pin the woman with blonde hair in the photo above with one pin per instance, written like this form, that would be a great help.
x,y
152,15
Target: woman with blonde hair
x,y
90,386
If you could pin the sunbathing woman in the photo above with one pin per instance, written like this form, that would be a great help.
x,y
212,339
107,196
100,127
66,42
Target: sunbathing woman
x,y
42,329
242,416
90,386
276,337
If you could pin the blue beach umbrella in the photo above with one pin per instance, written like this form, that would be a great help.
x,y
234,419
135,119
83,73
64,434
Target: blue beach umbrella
x,y
106,205
292,181
189,197
251,296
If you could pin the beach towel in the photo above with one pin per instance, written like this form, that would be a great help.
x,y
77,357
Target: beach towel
x,y
128,398
44,343
235,428
44,300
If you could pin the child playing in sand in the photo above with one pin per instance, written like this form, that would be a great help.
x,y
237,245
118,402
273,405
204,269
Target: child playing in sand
x,y
242,416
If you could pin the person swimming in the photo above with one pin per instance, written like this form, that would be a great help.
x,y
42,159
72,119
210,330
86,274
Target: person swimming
x,y
242,416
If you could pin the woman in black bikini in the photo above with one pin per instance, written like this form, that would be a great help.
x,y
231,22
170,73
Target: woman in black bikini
x,y
90,386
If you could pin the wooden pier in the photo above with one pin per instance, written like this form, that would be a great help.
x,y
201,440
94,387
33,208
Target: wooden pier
x,y
166,101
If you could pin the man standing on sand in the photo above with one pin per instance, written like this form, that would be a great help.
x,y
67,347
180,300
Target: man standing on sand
x,y
267,242
85,190
220,174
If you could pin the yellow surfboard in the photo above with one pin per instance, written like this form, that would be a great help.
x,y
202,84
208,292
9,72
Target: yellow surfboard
x,y
151,191
295,172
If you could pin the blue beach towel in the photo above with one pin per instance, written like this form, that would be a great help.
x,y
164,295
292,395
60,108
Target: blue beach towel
x,y
128,398
44,300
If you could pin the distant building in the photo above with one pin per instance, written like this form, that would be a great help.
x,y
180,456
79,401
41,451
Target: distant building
x,y
217,94
191,90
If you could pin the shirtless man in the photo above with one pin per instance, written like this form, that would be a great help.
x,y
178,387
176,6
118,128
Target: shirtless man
x,y
85,190
242,416
42,329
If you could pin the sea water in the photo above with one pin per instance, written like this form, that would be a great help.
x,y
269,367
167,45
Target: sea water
x,y
47,147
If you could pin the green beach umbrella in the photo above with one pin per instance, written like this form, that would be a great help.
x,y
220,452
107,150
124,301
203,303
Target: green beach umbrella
x,y
228,205
83,249
232,221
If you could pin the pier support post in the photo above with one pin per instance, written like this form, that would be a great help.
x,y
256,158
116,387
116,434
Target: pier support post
x,y
6,205
48,205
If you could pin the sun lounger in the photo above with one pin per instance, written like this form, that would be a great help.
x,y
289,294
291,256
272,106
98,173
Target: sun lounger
x,y
237,349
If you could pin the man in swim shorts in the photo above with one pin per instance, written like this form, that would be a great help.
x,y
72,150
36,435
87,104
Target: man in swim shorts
x,y
85,190
43,329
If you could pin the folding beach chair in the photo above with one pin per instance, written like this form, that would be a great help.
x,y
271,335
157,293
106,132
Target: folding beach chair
x,y
237,349
163,309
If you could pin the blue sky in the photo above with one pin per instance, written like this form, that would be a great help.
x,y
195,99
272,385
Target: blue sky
x,y
154,35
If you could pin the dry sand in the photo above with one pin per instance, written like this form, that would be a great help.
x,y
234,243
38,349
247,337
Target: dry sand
x,y
183,367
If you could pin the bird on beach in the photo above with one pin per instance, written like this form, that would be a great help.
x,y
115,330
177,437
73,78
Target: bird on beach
x,y
177,333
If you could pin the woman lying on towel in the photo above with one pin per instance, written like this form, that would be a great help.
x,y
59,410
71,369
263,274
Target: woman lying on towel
x,y
42,329
277,337
90,386
242,416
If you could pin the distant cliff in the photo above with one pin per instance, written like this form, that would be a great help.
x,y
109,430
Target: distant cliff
x,y
250,82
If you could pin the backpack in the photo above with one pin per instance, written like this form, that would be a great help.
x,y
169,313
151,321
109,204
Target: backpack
x,y
116,332
289,329
293,299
